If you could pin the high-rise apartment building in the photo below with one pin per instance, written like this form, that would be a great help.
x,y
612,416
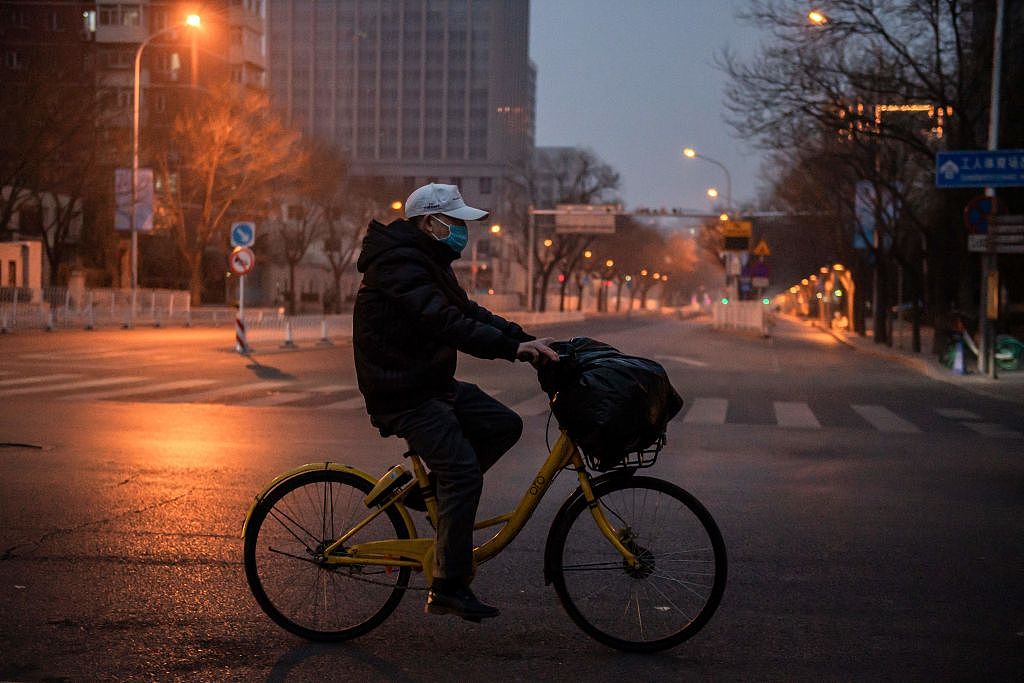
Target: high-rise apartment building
x,y
418,90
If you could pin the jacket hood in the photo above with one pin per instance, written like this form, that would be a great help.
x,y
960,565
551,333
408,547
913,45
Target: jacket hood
x,y
381,239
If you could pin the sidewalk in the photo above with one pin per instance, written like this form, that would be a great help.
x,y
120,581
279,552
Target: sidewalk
x,y
1009,385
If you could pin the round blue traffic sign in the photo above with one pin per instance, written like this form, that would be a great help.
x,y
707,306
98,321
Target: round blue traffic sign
x,y
243,234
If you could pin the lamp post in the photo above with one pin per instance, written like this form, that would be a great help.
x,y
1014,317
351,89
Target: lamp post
x,y
691,153
193,21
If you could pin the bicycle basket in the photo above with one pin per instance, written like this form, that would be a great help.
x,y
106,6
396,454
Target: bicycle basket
x,y
631,461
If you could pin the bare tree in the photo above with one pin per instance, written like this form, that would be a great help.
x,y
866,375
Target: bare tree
x,y
360,200
551,176
870,95
223,158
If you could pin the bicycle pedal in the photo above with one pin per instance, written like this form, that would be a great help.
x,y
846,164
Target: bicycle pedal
x,y
391,481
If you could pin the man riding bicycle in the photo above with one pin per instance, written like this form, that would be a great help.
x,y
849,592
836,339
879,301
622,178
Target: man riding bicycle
x,y
411,317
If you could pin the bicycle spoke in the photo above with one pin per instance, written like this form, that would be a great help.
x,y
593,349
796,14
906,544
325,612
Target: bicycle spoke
x,y
307,597
668,595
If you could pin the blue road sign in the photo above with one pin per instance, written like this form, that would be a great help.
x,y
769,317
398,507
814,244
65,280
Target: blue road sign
x,y
978,168
243,234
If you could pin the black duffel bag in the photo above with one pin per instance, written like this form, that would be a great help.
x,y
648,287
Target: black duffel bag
x,y
611,404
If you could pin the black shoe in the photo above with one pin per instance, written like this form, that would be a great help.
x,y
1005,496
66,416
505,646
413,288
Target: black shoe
x,y
461,602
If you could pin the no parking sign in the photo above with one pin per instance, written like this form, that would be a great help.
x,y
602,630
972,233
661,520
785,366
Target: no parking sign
x,y
242,260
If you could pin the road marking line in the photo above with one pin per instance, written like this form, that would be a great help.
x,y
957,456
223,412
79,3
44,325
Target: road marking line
x,y
685,361
348,403
707,411
277,399
83,355
213,394
884,420
994,430
536,405
332,388
138,391
33,380
957,414
73,385
795,414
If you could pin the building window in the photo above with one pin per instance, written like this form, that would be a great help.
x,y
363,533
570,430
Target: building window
x,y
18,18
159,18
236,74
56,21
12,273
131,15
159,103
14,60
108,15
120,15
485,185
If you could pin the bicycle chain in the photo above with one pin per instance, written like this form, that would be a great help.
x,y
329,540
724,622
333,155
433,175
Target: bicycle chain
x,y
386,585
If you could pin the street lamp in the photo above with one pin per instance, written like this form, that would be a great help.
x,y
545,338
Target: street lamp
x,y
691,153
712,192
817,17
192,21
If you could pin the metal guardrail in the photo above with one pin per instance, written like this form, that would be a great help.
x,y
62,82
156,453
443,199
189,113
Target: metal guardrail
x,y
62,307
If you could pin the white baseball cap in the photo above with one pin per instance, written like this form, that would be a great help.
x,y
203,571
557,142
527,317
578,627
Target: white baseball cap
x,y
438,198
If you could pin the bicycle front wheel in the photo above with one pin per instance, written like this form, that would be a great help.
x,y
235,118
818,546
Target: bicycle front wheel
x,y
287,532
678,583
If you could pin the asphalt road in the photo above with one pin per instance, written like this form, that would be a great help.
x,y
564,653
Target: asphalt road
x,y
874,517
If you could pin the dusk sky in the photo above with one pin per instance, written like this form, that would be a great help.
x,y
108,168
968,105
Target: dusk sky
x,y
636,82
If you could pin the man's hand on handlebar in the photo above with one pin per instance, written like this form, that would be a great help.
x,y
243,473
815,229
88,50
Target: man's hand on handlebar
x,y
537,352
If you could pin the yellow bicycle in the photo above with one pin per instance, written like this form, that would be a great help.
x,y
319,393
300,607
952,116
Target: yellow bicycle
x,y
329,549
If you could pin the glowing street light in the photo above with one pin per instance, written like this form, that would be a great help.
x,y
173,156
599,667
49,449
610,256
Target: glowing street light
x,y
609,263
691,153
548,243
817,18
723,217
712,192
396,205
192,21
588,254
495,229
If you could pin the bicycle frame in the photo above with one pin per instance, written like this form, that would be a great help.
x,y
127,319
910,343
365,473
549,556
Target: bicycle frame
x,y
418,552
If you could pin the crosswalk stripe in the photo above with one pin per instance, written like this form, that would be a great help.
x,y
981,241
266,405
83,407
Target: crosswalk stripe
x,y
795,414
332,388
277,399
708,411
993,429
213,394
33,380
884,420
535,405
139,391
348,403
85,384
683,360
957,414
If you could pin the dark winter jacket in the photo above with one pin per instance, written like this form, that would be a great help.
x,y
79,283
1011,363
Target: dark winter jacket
x,y
411,316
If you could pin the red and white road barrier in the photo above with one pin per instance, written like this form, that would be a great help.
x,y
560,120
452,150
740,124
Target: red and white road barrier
x,y
241,345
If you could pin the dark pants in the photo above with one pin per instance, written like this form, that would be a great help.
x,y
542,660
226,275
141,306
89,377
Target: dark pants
x,y
459,437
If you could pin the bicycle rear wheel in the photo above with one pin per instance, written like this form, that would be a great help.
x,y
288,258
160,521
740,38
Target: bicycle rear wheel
x,y
293,524
672,593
